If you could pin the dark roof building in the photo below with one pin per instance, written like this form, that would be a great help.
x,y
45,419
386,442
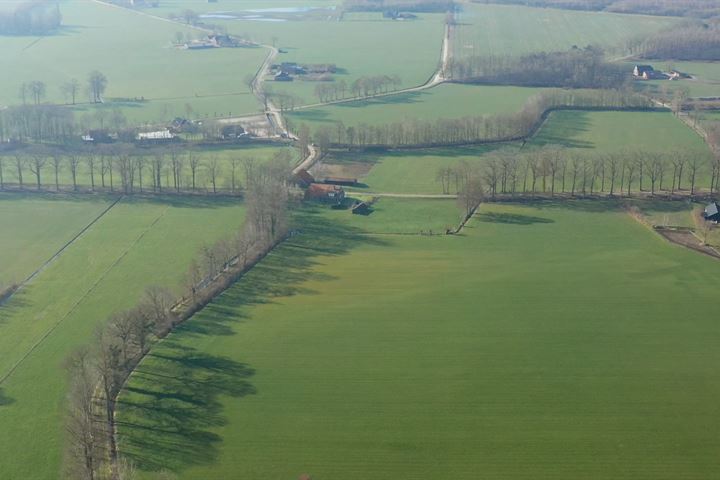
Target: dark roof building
x,y
712,212
283,77
303,178
361,208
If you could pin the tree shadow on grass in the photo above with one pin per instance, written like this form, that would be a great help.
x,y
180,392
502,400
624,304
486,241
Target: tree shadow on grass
x,y
512,218
171,405
5,400
14,304
169,412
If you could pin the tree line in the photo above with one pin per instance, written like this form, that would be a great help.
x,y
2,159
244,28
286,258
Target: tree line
x,y
31,18
575,68
362,87
553,169
690,41
427,6
97,373
480,129
126,169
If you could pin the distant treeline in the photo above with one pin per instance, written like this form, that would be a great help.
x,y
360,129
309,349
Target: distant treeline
x,y
480,129
32,18
692,41
674,8
576,68
426,6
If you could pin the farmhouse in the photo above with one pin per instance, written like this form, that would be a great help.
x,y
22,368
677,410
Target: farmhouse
x,y
325,193
231,132
647,72
712,212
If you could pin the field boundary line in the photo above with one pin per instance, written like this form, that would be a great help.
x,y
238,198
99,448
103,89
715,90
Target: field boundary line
x,y
74,307
62,249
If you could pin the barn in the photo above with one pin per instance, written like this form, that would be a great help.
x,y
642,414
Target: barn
x,y
712,212
325,193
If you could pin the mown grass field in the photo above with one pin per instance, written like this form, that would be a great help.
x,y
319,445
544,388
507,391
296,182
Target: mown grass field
x,y
516,30
135,53
205,155
618,132
138,243
37,227
443,101
415,171
398,215
556,341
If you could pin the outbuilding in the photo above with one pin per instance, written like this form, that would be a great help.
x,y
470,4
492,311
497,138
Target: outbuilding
x,y
712,212
325,193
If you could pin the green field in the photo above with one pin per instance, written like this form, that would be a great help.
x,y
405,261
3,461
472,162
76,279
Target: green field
x,y
516,30
398,215
136,244
415,171
135,53
37,228
348,356
618,132
205,155
443,101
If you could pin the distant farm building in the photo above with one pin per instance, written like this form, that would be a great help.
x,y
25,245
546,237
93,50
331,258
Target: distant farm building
x,y
647,72
232,132
303,178
98,136
712,212
160,136
348,182
283,77
325,193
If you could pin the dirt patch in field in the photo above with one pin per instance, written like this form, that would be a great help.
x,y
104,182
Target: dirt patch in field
x,y
345,170
687,239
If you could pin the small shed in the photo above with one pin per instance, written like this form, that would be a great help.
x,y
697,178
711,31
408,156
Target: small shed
x,y
712,212
643,71
283,77
325,193
361,208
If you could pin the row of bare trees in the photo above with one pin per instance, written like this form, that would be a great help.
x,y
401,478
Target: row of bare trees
x,y
554,170
98,373
487,128
690,41
126,169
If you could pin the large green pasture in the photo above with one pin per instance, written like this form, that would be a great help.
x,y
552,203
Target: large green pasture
x,y
134,52
37,227
443,101
515,30
618,132
556,341
415,171
137,243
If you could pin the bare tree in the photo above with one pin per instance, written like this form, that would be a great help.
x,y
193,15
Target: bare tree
x,y
84,446
97,83
19,162
70,90
214,172
35,165
57,165
194,162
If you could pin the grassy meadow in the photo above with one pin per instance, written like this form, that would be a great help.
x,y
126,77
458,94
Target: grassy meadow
x,y
515,30
414,171
351,356
38,227
135,53
138,243
443,101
